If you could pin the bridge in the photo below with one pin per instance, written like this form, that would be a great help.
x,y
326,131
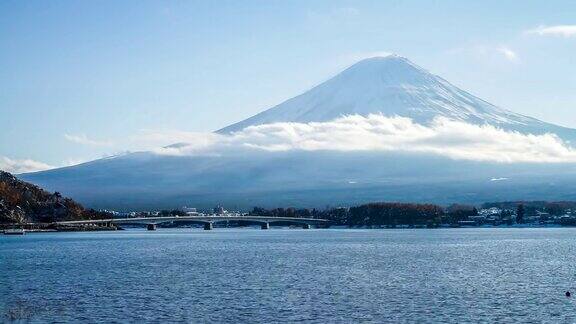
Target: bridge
x,y
208,221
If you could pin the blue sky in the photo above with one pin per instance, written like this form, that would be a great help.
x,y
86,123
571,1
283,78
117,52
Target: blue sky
x,y
80,80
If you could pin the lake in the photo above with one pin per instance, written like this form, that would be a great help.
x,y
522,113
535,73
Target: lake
x,y
291,275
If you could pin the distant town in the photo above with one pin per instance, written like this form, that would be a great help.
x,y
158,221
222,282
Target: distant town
x,y
184,211
401,215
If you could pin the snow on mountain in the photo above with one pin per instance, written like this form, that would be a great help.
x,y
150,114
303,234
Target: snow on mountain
x,y
391,86
394,86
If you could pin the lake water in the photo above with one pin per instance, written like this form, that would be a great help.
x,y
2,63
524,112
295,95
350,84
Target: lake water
x,y
291,275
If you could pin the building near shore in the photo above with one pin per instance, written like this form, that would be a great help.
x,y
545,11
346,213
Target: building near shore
x,y
190,211
219,210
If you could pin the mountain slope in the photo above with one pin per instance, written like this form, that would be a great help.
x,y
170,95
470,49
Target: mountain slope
x,y
301,179
241,178
392,86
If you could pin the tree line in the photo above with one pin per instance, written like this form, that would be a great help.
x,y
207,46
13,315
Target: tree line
x,y
379,214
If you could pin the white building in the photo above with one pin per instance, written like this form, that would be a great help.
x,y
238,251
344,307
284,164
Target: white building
x,y
490,211
190,211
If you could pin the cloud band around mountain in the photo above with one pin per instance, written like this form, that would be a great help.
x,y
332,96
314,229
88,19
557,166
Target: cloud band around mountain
x,y
443,137
22,166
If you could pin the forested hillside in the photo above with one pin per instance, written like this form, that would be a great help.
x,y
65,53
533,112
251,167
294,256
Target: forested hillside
x,y
22,202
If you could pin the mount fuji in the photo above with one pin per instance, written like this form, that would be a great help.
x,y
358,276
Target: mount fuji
x,y
394,86
388,86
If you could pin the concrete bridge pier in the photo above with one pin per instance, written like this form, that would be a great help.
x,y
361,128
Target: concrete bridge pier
x,y
306,226
265,226
208,226
151,227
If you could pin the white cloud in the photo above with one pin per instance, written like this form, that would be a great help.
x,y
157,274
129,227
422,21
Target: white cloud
x,y
453,139
558,30
22,166
484,52
443,137
148,138
84,140
509,54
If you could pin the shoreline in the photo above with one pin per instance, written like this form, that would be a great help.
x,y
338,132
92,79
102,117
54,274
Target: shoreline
x,y
85,228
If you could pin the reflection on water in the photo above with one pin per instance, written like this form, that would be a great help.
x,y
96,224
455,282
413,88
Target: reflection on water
x,y
249,275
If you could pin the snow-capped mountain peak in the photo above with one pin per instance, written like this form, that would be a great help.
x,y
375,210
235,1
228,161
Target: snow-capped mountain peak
x,y
298,177
392,86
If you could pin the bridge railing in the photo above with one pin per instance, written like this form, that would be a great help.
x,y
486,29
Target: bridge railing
x,y
202,219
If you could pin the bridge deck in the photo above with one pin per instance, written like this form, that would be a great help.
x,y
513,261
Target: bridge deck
x,y
202,219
